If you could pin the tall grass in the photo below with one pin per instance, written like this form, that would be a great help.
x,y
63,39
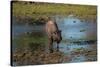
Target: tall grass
x,y
41,9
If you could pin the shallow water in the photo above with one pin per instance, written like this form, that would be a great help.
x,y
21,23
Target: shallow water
x,y
21,29
72,26
72,29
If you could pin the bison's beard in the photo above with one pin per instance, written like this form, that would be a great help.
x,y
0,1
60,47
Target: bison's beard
x,y
57,39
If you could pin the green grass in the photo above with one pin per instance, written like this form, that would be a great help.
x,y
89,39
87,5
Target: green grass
x,y
49,9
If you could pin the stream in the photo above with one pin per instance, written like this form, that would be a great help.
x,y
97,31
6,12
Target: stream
x,y
73,29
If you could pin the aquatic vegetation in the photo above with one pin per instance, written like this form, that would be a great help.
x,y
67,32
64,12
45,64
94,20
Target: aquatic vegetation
x,y
82,30
89,54
33,40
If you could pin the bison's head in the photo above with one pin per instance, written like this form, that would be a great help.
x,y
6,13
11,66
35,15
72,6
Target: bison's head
x,y
57,36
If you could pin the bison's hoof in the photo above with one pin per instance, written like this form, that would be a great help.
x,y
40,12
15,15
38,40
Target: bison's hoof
x,y
51,51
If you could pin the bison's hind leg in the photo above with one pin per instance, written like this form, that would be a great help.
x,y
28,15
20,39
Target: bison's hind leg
x,y
51,45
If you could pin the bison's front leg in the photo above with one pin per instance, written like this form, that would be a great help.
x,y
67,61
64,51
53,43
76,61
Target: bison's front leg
x,y
57,47
50,45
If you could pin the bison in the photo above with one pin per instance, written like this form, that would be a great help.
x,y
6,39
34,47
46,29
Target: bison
x,y
53,33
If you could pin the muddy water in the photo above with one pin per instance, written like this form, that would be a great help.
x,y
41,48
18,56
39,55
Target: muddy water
x,y
73,29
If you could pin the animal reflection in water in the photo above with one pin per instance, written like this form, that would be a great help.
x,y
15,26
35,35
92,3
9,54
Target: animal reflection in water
x,y
53,33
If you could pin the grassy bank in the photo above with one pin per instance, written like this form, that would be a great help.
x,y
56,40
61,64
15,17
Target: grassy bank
x,y
35,10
